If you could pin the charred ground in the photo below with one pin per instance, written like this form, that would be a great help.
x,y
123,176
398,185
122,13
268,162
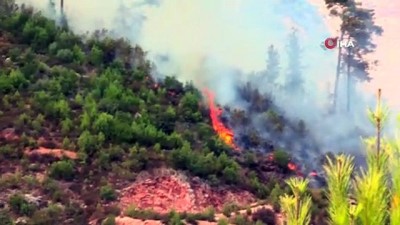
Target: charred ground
x,y
94,96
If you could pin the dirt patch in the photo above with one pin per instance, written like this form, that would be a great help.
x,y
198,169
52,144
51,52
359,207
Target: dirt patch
x,y
130,221
172,190
9,135
56,153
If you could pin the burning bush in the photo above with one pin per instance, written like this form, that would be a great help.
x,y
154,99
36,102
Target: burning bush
x,y
223,132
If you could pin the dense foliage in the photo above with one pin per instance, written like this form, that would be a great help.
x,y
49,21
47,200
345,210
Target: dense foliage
x,y
95,96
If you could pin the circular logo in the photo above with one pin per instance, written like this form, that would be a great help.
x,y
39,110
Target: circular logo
x,y
331,43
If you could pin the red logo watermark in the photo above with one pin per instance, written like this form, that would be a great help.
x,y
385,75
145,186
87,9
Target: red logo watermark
x,y
332,43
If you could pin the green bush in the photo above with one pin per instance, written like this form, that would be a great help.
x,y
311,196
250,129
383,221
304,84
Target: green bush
x,y
207,215
46,216
110,220
241,220
107,193
174,219
228,209
21,206
5,218
267,216
136,213
65,55
282,158
223,222
6,151
62,170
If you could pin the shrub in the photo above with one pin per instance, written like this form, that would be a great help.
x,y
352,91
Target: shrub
x,y
133,212
5,218
174,219
241,220
267,216
107,193
248,211
207,215
6,151
49,215
65,55
21,206
62,170
282,158
223,222
229,209
110,220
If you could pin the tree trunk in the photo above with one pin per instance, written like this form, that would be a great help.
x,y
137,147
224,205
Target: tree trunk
x,y
339,62
349,54
378,127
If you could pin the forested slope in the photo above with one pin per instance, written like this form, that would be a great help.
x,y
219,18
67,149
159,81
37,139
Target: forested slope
x,y
80,117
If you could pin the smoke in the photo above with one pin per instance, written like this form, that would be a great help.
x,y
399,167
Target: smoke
x,y
219,44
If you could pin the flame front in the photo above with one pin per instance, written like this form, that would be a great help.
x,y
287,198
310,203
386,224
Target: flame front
x,y
294,168
224,133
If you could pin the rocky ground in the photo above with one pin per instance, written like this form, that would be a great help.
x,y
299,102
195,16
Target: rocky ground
x,y
164,190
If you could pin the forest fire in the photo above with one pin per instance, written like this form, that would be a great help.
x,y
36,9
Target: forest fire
x,y
223,132
294,168
313,173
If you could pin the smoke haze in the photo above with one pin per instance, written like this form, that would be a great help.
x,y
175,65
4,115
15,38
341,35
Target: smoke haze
x,y
219,44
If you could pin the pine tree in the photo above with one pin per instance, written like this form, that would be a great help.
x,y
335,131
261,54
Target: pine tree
x,y
272,69
357,25
63,17
338,172
361,28
297,207
371,185
6,8
294,77
51,5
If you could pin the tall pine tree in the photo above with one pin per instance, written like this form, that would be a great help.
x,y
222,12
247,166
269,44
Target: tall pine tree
x,y
362,29
272,70
294,77
358,25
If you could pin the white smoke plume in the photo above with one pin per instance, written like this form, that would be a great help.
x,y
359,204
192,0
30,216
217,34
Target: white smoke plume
x,y
217,42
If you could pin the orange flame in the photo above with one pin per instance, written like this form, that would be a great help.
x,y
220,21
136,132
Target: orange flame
x,y
292,166
314,173
224,133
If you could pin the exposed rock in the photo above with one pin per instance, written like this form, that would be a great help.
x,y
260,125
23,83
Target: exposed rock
x,y
9,134
166,192
21,221
8,62
206,223
34,200
57,153
129,221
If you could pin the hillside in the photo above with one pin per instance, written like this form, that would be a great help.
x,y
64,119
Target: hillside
x,y
87,133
